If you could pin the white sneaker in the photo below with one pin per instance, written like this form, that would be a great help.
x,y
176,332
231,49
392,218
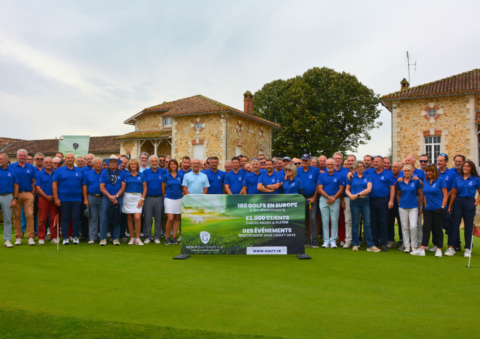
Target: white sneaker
x,y
326,244
91,242
433,249
138,242
66,242
70,238
438,253
419,252
407,250
116,242
48,231
41,242
18,242
467,253
333,244
179,238
157,241
76,241
141,235
450,252
347,244
342,243
103,242
7,244
54,241
147,241
31,242
414,249
427,248
132,241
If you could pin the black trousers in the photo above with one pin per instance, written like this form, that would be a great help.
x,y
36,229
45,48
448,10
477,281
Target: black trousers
x,y
433,221
392,215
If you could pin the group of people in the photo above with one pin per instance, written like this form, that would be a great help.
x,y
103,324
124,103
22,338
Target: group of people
x,y
347,200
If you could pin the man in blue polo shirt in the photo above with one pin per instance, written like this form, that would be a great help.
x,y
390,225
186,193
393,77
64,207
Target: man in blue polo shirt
x,y
269,182
93,197
216,177
195,182
234,178
184,166
330,186
47,210
112,186
8,192
84,222
345,215
67,191
250,182
381,200
26,175
309,176
153,206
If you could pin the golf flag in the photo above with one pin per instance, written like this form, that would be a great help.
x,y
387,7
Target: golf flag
x,y
76,144
476,231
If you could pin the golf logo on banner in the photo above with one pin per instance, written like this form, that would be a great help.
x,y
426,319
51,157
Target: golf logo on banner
x,y
243,224
78,145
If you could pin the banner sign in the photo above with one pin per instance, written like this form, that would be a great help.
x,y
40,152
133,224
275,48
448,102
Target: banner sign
x,y
243,224
76,144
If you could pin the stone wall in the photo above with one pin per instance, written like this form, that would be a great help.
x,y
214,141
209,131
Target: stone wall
x,y
150,122
455,123
252,136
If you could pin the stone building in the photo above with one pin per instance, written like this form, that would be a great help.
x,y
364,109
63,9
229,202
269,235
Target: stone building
x,y
198,127
438,117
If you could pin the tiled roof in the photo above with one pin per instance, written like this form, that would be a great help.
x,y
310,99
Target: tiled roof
x,y
145,135
50,146
5,141
194,105
464,83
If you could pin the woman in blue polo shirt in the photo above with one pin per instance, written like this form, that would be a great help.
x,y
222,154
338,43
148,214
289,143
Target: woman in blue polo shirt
x,y
436,195
463,205
409,196
358,190
291,183
135,191
172,191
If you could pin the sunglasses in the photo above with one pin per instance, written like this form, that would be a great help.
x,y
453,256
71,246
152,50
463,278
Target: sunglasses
x,y
288,170
297,163
423,161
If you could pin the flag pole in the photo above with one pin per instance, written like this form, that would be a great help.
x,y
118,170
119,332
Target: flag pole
x,y
471,246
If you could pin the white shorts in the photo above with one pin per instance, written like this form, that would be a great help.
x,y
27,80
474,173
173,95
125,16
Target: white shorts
x,y
130,203
173,206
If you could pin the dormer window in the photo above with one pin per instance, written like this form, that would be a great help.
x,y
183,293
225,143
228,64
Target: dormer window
x,y
167,122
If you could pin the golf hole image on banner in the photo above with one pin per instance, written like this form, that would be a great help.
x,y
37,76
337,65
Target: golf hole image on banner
x,y
243,224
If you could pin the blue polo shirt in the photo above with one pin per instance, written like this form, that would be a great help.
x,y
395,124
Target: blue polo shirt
x,y
357,184
134,183
344,171
182,172
416,173
292,186
69,183
7,179
409,197
173,190
271,179
154,181
215,180
38,170
195,183
395,201
466,188
381,183
235,181
86,170
112,189
309,179
433,193
91,179
331,182
251,183
449,177
24,175
45,181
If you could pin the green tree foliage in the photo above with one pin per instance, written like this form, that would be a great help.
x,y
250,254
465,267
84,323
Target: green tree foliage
x,y
320,112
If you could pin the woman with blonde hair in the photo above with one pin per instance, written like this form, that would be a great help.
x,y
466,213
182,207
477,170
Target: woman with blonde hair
x,y
133,199
291,183
172,191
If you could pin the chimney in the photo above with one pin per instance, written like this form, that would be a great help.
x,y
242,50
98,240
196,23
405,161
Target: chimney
x,y
248,102
404,84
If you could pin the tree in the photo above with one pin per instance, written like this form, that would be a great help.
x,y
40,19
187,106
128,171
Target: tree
x,y
320,112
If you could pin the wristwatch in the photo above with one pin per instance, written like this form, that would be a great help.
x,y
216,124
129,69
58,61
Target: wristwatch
x,y
142,199
117,196
16,198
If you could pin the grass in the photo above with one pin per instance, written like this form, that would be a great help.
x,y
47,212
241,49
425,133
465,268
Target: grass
x,y
130,291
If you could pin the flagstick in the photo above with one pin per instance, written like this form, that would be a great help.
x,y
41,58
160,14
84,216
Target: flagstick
x,y
471,246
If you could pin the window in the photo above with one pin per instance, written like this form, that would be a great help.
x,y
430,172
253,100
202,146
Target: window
x,y
433,147
198,152
238,150
432,113
167,122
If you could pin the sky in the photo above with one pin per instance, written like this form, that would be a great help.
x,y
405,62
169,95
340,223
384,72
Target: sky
x,y
84,67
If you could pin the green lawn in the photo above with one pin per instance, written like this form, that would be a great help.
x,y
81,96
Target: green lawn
x,y
131,291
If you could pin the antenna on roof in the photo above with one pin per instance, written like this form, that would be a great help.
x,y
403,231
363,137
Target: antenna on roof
x,y
408,65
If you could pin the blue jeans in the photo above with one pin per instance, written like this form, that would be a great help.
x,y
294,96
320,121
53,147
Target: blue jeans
x,y
106,219
95,206
379,220
70,209
361,207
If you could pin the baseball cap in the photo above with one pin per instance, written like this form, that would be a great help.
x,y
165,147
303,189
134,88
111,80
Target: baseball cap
x,y
306,157
287,158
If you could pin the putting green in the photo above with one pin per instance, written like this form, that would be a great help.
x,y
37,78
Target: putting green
x,y
337,294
